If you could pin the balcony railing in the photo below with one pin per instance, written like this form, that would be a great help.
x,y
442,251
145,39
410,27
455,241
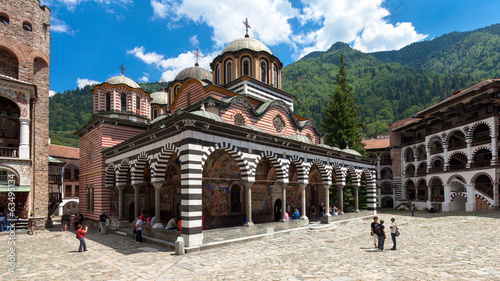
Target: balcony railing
x,y
12,152
70,195
457,145
54,178
55,197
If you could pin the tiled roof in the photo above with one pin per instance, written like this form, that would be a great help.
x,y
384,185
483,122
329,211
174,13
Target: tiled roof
x,y
407,121
377,143
64,151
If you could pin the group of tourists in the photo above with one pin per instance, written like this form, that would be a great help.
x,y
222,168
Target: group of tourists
x,y
377,230
5,221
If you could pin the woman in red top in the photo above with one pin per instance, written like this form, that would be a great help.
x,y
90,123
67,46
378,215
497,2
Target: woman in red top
x,y
80,234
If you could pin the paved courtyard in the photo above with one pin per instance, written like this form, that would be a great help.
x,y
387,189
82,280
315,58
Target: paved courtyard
x,y
431,247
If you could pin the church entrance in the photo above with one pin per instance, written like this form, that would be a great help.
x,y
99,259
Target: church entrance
x,y
387,202
277,209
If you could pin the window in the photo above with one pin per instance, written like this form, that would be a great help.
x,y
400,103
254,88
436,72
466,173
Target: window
x,y
239,120
217,75
123,99
4,18
27,26
176,90
67,191
67,174
108,101
137,105
246,66
229,71
263,71
278,123
275,75
155,113
90,198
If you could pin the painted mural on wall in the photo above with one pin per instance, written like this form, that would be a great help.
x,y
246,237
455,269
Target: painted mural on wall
x,y
315,194
113,200
293,192
171,186
20,99
262,190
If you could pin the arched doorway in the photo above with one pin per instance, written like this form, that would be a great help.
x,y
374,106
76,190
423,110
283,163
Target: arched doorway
x,y
387,202
458,203
262,192
9,128
277,209
170,192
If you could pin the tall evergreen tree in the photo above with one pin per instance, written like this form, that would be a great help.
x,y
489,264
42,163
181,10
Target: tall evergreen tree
x,y
341,122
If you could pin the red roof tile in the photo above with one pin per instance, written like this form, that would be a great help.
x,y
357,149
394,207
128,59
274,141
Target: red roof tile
x,y
64,151
377,143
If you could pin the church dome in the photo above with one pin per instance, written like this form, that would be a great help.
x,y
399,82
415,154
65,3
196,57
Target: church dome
x,y
117,80
351,151
207,114
194,72
301,138
159,98
246,43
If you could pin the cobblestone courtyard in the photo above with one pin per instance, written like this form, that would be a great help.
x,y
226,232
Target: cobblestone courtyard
x,y
431,247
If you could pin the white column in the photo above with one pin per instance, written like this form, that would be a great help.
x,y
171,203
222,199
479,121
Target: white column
x,y
341,197
493,150
470,206
445,155
378,166
120,203
327,199
429,193
157,186
24,138
447,197
248,202
428,160
469,152
303,201
283,200
356,198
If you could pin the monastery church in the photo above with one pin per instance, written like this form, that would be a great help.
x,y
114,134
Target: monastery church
x,y
218,148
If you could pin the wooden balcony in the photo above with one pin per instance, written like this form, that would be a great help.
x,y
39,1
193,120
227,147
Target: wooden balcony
x,y
11,152
54,178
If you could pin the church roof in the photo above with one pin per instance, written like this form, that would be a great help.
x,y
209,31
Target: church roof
x,y
301,138
246,43
329,147
194,72
209,115
255,128
117,80
351,151
159,98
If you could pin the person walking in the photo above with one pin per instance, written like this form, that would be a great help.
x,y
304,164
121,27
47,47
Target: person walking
x,y
80,234
381,236
64,222
412,209
394,228
138,230
372,227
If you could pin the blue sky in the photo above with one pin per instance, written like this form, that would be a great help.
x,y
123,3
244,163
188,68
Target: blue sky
x,y
154,39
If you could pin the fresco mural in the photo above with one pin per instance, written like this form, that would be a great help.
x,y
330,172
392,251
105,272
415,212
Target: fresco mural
x,y
113,199
293,192
170,189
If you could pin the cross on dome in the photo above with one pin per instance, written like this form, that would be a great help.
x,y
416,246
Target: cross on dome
x,y
247,26
197,55
122,68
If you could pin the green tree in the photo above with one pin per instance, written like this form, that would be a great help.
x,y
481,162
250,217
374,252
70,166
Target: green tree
x,y
341,121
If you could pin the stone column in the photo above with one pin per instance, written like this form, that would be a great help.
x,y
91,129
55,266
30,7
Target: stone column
x,y
248,202
447,197
283,200
445,155
429,194
327,199
120,202
470,206
356,198
469,153
341,197
303,200
493,150
136,200
378,166
428,160
24,138
157,186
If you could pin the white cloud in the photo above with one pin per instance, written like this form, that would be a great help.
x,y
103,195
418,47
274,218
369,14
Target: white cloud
x,y
84,82
72,4
57,25
194,41
51,93
171,66
145,78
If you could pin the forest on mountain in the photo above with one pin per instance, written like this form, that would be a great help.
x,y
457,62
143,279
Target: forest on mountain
x,y
389,85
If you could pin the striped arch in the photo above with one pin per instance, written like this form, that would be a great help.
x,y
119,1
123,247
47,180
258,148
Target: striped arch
x,y
434,178
455,153
407,166
162,160
110,175
484,199
450,133
301,169
420,180
435,157
413,149
455,194
138,167
409,180
432,140
281,175
341,174
245,170
480,148
456,178
474,126
123,168
421,163
322,169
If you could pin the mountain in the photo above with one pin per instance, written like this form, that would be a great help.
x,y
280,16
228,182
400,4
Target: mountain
x,y
389,85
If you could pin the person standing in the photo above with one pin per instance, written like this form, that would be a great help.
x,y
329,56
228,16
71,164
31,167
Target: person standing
x,y
296,214
322,209
412,209
394,228
381,236
64,222
138,230
372,226
171,225
102,221
80,234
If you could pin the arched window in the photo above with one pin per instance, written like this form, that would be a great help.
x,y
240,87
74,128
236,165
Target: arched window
x,y
27,26
108,101
263,71
137,105
217,75
239,120
228,71
246,66
275,75
9,128
123,100
9,63
176,90
155,113
4,18
236,199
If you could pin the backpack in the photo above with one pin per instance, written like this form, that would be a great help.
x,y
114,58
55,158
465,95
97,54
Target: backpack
x,y
378,229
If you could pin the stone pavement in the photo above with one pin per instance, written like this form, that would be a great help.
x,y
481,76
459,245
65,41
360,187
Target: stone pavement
x,y
454,246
